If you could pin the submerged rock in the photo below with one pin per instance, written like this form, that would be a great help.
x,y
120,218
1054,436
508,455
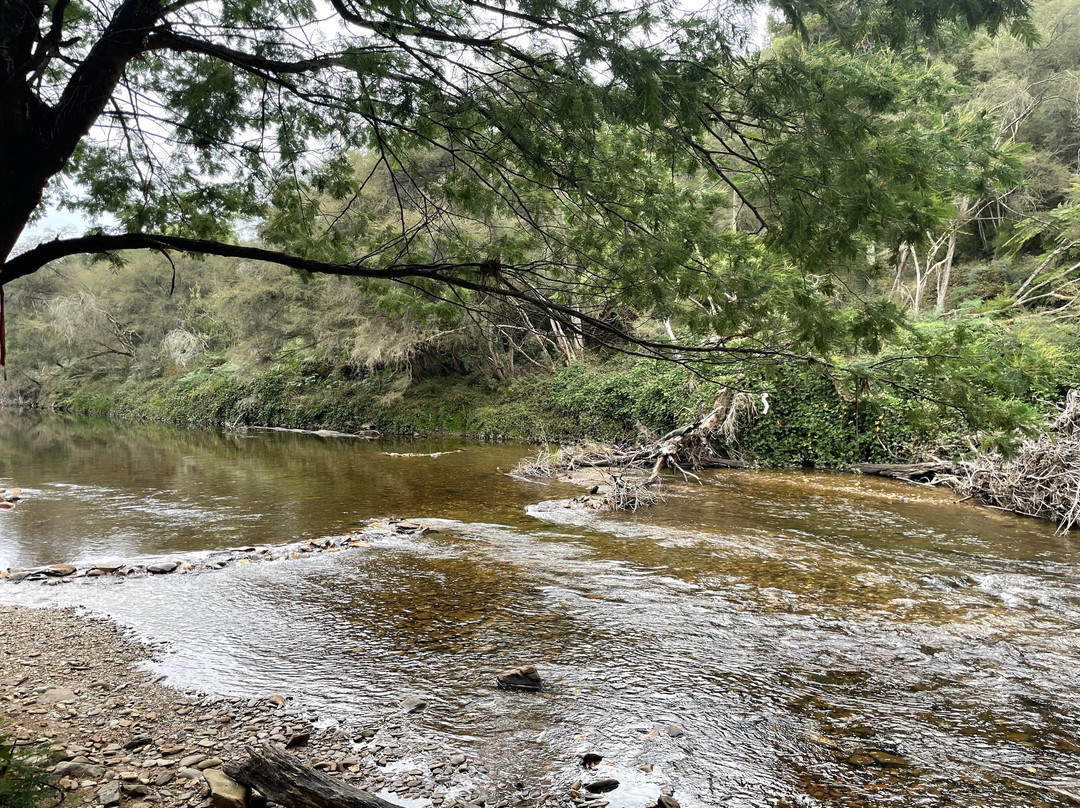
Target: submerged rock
x,y
524,678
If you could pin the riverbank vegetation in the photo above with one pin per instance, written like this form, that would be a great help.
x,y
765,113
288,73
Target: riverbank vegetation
x,y
23,783
873,242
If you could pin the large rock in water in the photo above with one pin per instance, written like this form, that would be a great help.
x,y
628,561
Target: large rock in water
x,y
226,792
524,678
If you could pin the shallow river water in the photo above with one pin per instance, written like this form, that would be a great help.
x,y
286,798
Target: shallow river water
x,y
762,639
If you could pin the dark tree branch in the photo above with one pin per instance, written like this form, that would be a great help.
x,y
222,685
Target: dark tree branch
x,y
167,39
445,273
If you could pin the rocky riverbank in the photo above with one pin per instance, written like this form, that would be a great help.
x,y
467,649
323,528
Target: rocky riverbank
x,y
117,737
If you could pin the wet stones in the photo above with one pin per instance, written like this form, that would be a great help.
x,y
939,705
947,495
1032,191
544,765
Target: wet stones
x,y
602,786
237,556
878,757
406,527
524,678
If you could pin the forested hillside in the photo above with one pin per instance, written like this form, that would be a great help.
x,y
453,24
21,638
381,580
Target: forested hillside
x,y
890,264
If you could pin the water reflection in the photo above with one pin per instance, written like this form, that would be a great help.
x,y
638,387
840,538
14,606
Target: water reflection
x,y
767,639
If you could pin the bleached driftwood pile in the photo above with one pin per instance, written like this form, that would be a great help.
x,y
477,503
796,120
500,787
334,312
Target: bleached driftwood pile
x,y
1041,479
624,470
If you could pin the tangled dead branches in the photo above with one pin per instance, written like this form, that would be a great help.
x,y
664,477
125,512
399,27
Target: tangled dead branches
x,y
688,447
1041,479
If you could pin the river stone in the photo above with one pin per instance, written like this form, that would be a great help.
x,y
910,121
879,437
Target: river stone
x,y
191,760
61,569
55,695
524,678
185,773
666,801
138,742
162,567
81,771
883,758
413,704
225,791
109,794
299,739
108,566
602,786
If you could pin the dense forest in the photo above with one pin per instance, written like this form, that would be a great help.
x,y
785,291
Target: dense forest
x,y
936,313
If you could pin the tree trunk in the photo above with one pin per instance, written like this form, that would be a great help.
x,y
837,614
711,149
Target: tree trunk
x,y
284,778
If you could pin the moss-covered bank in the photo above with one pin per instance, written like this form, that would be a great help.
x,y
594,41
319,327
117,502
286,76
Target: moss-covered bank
x,y
802,420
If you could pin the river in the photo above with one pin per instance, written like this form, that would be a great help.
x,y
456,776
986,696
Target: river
x,y
762,639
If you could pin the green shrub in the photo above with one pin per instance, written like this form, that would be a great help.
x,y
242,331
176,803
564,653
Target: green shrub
x,y
22,783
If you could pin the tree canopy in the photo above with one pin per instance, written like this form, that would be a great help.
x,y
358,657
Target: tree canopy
x,y
570,156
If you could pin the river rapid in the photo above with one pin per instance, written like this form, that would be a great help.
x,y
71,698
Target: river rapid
x,y
760,639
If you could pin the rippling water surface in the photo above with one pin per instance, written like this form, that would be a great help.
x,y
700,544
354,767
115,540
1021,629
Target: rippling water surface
x,y
764,639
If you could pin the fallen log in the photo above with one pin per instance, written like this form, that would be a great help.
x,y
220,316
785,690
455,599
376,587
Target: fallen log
x,y
285,779
924,473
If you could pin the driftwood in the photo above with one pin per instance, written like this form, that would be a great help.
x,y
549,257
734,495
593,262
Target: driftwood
x,y
366,434
682,449
687,447
285,779
922,473
1041,478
